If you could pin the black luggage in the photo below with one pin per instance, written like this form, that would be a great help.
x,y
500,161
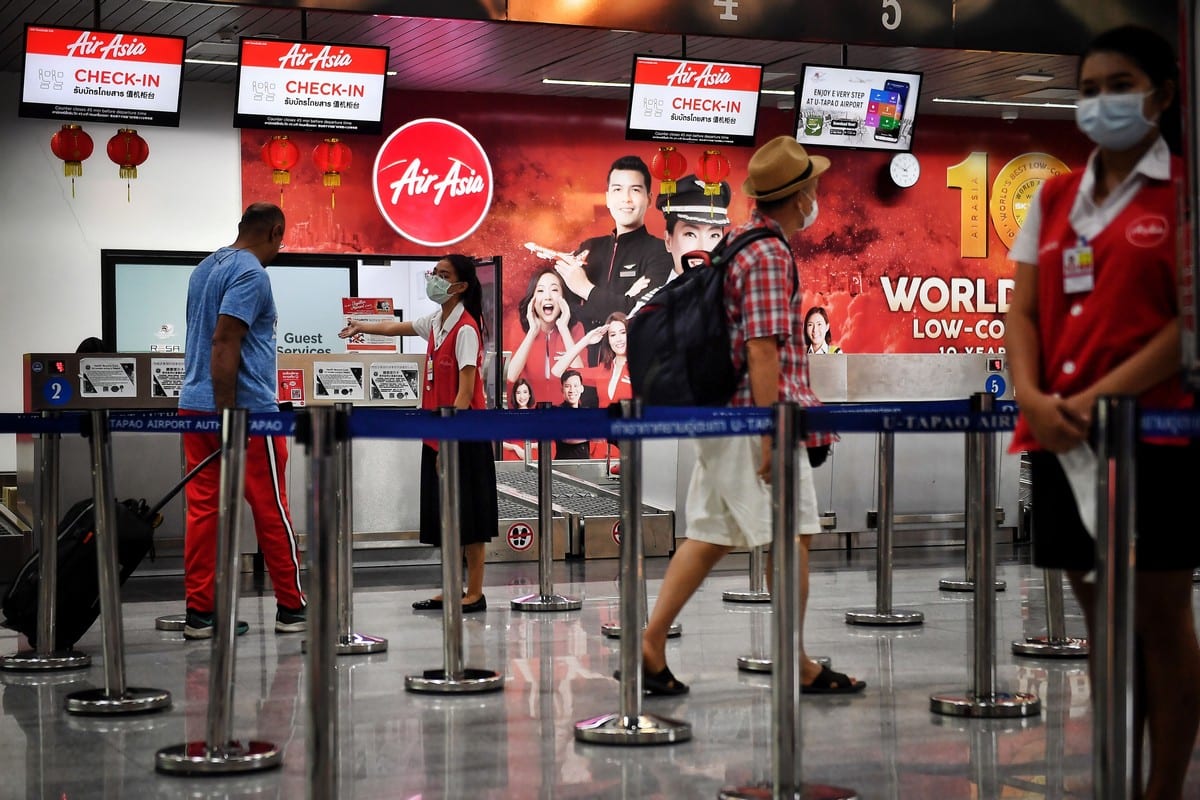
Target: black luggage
x,y
78,602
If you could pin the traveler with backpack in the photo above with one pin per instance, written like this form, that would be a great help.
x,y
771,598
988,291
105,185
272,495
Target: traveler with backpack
x,y
729,500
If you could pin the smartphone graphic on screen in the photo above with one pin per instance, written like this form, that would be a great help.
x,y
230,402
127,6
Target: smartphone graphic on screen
x,y
888,128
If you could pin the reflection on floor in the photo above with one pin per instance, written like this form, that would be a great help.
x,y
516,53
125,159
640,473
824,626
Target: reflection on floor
x,y
519,743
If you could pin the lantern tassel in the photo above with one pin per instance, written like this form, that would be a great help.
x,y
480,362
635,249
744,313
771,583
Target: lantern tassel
x,y
128,193
128,172
72,168
281,176
72,188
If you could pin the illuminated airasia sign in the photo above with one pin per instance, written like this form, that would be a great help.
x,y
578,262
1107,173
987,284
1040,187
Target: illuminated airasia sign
x,y
433,182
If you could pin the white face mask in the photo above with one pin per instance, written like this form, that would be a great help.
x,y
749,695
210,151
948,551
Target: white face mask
x,y
437,288
1114,121
810,217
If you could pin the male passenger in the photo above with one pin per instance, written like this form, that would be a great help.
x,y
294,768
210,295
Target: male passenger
x,y
230,363
608,273
729,501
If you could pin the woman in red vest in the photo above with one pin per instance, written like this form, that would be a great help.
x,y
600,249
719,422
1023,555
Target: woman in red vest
x,y
453,377
1095,312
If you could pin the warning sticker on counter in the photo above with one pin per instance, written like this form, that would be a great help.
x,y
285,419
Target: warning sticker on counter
x,y
107,377
291,387
333,380
166,377
391,381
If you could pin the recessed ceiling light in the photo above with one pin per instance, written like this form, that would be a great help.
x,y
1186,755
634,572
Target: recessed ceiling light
x,y
971,102
625,85
1035,77
210,61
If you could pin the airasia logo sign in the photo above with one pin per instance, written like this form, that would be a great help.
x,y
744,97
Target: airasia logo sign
x,y
433,182
1147,231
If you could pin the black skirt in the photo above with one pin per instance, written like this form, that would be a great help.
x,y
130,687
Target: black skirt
x,y
478,513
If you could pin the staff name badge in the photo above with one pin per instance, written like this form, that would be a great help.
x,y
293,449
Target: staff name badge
x,y
1079,269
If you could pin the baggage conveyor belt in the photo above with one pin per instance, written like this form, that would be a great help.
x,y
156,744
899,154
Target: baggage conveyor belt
x,y
593,512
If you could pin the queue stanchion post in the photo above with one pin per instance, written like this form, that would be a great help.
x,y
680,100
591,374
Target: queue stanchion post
x,y
453,677
883,613
629,725
982,699
46,655
1056,643
1112,663
545,599
757,590
220,753
967,584
348,641
116,697
786,761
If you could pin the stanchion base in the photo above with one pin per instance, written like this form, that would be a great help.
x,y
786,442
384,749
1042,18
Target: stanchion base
x,y
643,729
134,701
1045,647
33,661
873,617
613,631
952,585
765,664
745,596
171,622
194,758
356,644
1001,704
545,602
807,791
434,681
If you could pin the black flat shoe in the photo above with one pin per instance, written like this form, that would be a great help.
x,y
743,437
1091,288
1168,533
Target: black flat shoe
x,y
478,605
662,683
431,604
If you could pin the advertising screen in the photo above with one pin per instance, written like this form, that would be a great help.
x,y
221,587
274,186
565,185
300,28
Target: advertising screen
x,y
846,107
105,76
693,102
289,85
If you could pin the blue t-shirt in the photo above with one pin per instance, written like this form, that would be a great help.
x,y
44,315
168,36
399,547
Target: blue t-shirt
x,y
234,283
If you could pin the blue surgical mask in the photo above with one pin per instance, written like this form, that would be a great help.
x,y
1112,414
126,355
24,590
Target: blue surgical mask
x,y
437,288
1114,121
810,217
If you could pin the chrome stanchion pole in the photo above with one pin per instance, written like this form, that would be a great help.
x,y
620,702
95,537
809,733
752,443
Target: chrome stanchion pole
x,y
982,699
1056,643
545,599
629,725
323,736
970,545
220,753
1112,686
115,697
883,613
757,592
786,748
348,642
45,655
453,677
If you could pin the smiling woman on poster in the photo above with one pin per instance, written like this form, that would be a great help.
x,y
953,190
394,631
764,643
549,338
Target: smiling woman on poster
x,y
817,334
549,332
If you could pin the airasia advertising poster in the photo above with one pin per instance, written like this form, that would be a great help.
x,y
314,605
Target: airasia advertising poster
x,y
905,256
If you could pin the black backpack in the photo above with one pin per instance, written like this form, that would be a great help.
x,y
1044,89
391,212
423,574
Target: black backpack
x,y
679,348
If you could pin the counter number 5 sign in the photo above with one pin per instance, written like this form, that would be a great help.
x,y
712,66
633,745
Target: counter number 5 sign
x,y
891,14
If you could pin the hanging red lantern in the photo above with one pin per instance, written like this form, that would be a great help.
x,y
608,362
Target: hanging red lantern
x,y
668,165
712,169
71,144
128,150
281,154
332,157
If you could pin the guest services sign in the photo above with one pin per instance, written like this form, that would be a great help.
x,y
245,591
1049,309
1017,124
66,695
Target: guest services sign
x,y
122,78
288,85
433,182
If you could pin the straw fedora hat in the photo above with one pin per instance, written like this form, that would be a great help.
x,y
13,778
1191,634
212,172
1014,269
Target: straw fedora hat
x,y
780,167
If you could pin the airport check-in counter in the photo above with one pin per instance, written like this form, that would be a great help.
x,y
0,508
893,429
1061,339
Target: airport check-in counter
x,y
386,478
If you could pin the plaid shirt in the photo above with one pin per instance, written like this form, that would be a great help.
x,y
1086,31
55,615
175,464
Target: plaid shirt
x,y
760,302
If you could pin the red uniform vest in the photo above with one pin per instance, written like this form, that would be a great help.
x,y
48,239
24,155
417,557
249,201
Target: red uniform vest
x,y
1085,335
441,370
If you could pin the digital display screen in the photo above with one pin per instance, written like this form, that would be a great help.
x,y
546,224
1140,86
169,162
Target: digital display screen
x,y
859,108
693,102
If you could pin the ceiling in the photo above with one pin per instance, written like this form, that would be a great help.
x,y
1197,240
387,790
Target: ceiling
x,y
505,57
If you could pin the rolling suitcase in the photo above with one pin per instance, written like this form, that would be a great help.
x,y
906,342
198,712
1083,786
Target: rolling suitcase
x,y
78,602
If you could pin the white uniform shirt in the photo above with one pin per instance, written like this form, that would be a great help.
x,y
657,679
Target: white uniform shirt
x,y
466,346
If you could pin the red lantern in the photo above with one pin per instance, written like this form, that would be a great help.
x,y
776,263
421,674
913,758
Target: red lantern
x,y
332,157
712,169
73,146
127,150
668,165
281,154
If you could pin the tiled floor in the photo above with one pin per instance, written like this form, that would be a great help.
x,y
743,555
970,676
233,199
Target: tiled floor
x,y
519,743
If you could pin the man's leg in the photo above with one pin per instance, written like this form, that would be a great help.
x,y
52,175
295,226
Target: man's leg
x,y
200,535
692,562
266,463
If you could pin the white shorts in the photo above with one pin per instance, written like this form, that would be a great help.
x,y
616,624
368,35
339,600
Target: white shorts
x,y
729,505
